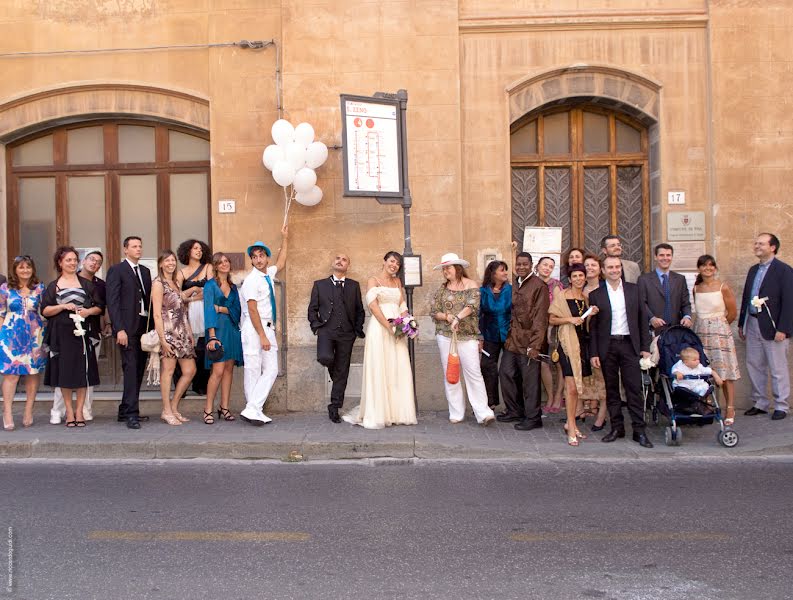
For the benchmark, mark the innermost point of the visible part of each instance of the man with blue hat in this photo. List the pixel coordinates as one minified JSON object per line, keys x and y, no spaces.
{"x":259,"y":345}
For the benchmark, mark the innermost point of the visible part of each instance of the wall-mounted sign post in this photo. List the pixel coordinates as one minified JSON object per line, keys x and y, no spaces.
{"x":374,"y":139}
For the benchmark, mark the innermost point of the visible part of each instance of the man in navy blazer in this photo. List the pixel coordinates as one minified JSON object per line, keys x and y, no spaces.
{"x":766,"y":323}
{"x":619,"y":336}
{"x":664,"y":293}
{"x":128,"y":293}
{"x":336,"y":316}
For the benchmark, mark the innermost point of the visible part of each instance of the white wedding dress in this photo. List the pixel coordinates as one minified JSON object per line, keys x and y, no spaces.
{"x":387,"y":386}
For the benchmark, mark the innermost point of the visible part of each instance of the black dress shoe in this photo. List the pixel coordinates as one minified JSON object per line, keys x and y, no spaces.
{"x":526,"y":425}
{"x":508,"y":418}
{"x":755,"y":411}
{"x":642,"y":440}
{"x":778,"y":415}
{"x":333,"y":414}
{"x":139,"y":418}
{"x":133,"y":423}
{"x":613,"y":435}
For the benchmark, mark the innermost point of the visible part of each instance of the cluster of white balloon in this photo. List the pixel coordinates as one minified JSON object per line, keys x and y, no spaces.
{"x":292,"y":160}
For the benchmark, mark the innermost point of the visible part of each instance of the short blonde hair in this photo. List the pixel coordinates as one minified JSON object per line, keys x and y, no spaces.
{"x":689,"y":353}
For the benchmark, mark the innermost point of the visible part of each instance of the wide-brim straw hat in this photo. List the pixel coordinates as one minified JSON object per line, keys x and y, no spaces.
{"x":451,"y":259}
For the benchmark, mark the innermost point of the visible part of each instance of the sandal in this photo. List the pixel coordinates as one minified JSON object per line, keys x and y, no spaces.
{"x":180,"y":417}
{"x":572,"y":441}
{"x":170,"y":419}
{"x":8,"y":426}
{"x":71,"y":424}
{"x":225,"y":414}
{"x":208,"y":418}
{"x":79,"y":423}
{"x":578,"y":433}
{"x":730,"y":420}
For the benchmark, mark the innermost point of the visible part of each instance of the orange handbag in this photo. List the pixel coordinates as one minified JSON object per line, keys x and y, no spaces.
{"x":453,"y":364}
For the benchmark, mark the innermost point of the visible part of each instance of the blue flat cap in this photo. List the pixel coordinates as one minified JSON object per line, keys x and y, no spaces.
{"x":261,"y":245}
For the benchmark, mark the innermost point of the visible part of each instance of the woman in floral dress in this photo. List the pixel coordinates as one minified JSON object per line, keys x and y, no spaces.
{"x":21,"y":337}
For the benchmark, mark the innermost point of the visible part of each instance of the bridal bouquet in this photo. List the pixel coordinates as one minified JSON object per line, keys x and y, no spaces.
{"x":405,"y":325}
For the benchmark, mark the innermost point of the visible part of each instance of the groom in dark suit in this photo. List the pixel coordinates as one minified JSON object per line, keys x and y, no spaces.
{"x":664,"y":293}
{"x":618,"y":337}
{"x":128,"y":293}
{"x":336,"y":315}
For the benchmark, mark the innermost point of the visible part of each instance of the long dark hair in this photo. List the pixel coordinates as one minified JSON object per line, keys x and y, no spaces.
{"x":216,"y":258}
{"x":701,"y":262}
{"x":13,"y":278}
{"x":183,"y":252}
{"x":490,"y":270}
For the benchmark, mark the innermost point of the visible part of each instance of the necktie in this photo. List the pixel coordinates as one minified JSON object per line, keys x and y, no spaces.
{"x":338,"y":283}
{"x":141,"y":288}
{"x":272,"y":296}
{"x":758,"y":279}
{"x":667,"y":299}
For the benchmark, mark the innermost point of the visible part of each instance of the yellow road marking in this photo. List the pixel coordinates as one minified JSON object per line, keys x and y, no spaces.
{"x":199,"y":536}
{"x":659,"y":536}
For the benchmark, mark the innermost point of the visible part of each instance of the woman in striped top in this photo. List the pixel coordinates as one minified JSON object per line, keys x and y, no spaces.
{"x":72,"y":365}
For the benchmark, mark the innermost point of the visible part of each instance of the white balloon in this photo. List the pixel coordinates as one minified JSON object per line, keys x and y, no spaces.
{"x":316,"y":155}
{"x":283,"y":133}
{"x":271,"y":155}
{"x":311,"y":198}
{"x":296,"y":155}
{"x":283,"y":173}
{"x":305,"y":180}
{"x":304,"y":134}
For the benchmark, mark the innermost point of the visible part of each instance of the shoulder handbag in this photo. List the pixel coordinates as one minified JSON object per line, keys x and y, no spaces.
{"x":453,"y":363}
{"x":150,"y":341}
{"x":554,"y":343}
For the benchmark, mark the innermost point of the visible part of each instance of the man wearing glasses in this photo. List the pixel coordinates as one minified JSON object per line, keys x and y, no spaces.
{"x":611,"y":245}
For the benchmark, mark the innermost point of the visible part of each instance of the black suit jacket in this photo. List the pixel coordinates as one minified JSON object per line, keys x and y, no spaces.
{"x":123,"y":297}
{"x":320,"y":307}
{"x":600,"y":324}
{"x":777,"y":286}
{"x":651,"y":295}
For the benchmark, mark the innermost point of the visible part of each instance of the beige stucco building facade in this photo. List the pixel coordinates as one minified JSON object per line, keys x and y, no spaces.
{"x":706,"y":81}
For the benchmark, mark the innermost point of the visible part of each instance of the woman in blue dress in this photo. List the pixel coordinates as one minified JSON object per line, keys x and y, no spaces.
{"x":21,"y":337}
{"x":222,"y":321}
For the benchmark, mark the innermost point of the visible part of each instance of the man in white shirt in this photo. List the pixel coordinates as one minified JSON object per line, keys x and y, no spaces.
{"x":618,"y":337}
{"x":259,"y":344}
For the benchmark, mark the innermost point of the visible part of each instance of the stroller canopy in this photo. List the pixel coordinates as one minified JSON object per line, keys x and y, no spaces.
{"x":672,"y":341}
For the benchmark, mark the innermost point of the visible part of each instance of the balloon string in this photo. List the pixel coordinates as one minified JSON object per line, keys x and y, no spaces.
{"x":288,"y":197}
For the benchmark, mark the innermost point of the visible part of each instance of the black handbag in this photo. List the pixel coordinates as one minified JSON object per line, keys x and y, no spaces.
{"x":216,"y":354}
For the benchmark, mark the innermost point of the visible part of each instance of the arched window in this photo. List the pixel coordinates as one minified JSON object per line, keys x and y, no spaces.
{"x":92,"y":184}
{"x":583,"y":169}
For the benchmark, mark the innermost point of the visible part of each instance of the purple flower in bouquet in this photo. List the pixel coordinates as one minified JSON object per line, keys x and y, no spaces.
{"x":405,"y":325}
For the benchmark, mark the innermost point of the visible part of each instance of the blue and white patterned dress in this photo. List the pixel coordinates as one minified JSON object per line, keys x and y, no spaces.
{"x":22,"y":332}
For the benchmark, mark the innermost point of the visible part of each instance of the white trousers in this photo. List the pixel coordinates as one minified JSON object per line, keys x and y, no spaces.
{"x":261,"y":367}
{"x":474,"y":384}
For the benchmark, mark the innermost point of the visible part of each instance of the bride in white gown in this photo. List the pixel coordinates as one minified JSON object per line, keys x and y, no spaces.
{"x":387,"y":387}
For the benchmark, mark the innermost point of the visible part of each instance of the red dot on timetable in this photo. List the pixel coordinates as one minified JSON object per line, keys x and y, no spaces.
{"x":369,"y":123}
{"x":357,"y":122}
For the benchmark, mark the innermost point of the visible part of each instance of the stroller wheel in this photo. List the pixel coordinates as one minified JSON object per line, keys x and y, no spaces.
{"x":728,"y":438}
{"x":673,"y":438}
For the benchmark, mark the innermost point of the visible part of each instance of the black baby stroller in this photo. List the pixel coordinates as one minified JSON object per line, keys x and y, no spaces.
{"x":683,"y":406}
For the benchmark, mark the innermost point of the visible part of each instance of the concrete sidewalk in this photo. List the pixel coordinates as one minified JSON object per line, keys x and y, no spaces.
{"x":311,"y":436}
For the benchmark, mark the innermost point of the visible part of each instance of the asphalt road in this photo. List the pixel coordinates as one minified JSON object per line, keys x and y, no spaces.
{"x":650,"y":529}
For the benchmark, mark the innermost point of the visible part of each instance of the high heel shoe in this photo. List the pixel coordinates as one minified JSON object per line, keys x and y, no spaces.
{"x":8,"y":426}
{"x":170,"y":419}
{"x":208,"y":418}
{"x":180,"y":417}
{"x":578,"y":433}
{"x":572,"y":441}
{"x":225,"y":414}
{"x":598,"y":427}
{"x":730,"y":420}
{"x":27,"y":422}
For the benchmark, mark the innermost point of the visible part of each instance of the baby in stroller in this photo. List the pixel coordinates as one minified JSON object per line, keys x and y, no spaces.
{"x":689,"y":374}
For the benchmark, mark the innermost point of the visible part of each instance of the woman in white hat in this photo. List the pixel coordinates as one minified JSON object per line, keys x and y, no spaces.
{"x":455,"y":309}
